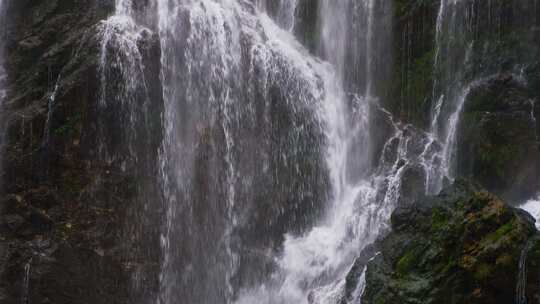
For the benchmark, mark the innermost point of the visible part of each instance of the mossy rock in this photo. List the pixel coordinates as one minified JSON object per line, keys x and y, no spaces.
{"x":497,"y":142}
{"x":462,"y":246}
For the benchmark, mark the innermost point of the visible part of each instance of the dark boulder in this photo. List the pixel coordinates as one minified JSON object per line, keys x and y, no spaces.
{"x":462,"y":246}
{"x":498,"y":141}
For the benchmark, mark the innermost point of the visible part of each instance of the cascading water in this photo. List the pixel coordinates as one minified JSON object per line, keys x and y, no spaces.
{"x":521,"y":288}
{"x":450,"y":89}
{"x":250,"y":116}
{"x":467,"y":32}
{"x":128,"y":137}
{"x":533,"y":207}
{"x":226,"y":70}
{"x":204,"y":46}
{"x":284,"y":12}
{"x":51,"y":105}
{"x":312,"y":266}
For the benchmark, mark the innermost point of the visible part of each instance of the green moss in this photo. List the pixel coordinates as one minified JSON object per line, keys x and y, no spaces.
{"x":413,"y":84}
{"x":483,"y":272}
{"x":439,"y":219}
{"x":380,"y":300}
{"x":504,"y":229}
{"x":534,"y":254}
{"x":461,"y":205}
{"x":407,"y":261}
{"x":463,"y":248}
{"x":499,"y":233}
{"x":449,"y":266}
{"x":505,"y":260}
{"x":497,"y":157}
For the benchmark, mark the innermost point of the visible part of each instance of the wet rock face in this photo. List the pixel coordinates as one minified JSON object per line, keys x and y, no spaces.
{"x":63,"y":274}
{"x":413,"y":185}
{"x":505,"y":36}
{"x":62,"y":208}
{"x":42,"y":40}
{"x":414,"y":52}
{"x":532,"y":276}
{"x":462,"y":246}
{"x":498,"y":142}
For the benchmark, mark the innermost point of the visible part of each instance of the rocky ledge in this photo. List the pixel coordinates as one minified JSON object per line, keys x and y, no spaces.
{"x":462,"y":246}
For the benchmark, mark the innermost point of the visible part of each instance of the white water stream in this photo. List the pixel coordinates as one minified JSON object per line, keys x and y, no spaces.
{"x":533,"y":207}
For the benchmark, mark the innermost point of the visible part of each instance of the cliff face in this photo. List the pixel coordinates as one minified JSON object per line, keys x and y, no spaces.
{"x":63,"y":205}
{"x":489,"y":51}
{"x":498,"y":144}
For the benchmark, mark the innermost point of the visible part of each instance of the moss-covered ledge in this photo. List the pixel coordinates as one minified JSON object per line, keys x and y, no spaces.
{"x":463,"y":246}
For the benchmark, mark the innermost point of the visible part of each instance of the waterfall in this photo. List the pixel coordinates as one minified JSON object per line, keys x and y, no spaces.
{"x":25,"y":298}
{"x":467,"y":31}
{"x":51,"y":103}
{"x":533,"y":207}
{"x":240,"y":151}
{"x":283,"y":11}
{"x":226,"y":69}
{"x":453,"y":47}
{"x":360,"y":288}
{"x":267,"y":178}
{"x":521,"y":288}
{"x":313,"y":266}
{"x":122,"y":75}
{"x":217,"y":57}
{"x":126,"y":136}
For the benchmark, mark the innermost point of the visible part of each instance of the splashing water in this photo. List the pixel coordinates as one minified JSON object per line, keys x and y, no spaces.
{"x":312,"y":267}
{"x":533,"y":207}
